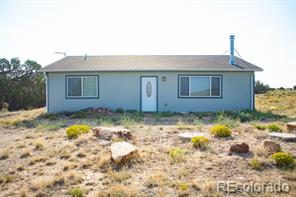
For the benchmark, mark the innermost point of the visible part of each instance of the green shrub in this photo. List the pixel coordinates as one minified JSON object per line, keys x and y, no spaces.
{"x":76,"y":192}
{"x":106,"y":121}
{"x":283,"y":160}
{"x":260,"y":127}
{"x":75,"y":130}
{"x":198,"y":122}
{"x":80,"y":114}
{"x":49,"y":116}
{"x":200,"y":142}
{"x":130,"y":120}
{"x":126,"y":121}
{"x":225,"y":119}
{"x":119,"y":110}
{"x":138,"y":117}
{"x":221,"y":131}
{"x":255,"y":164}
{"x":51,"y":125}
{"x":275,"y":127}
{"x":176,"y":155}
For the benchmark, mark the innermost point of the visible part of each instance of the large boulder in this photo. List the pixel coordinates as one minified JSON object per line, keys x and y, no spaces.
{"x":288,"y":137}
{"x":108,"y":132}
{"x":271,"y":146}
{"x":123,"y":152}
{"x":291,"y":126}
{"x":240,"y":148}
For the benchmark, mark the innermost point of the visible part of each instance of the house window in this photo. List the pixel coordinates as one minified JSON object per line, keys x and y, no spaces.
{"x":199,"y":86}
{"x":82,"y":86}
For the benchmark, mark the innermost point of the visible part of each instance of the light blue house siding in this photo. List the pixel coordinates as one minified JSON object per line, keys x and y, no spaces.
{"x":122,"y":89}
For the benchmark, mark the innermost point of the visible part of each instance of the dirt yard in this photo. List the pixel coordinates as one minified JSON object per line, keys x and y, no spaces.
{"x":37,"y":158}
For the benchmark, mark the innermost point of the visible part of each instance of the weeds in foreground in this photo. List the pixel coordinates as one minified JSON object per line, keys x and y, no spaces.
{"x":222,"y":118}
{"x":130,"y":120}
{"x":106,"y":121}
{"x":283,"y":160}
{"x":75,"y":130}
{"x":198,"y":122}
{"x":181,"y":125}
{"x":200,"y":142}
{"x":221,"y":131}
{"x":76,"y":192}
{"x":120,"y":190}
{"x":120,"y":175}
{"x":51,"y":125}
{"x":176,"y":155}
{"x":39,"y":145}
{"x":156,"y":179}
{"x":126,"y":121}
{"x":274,"y":127}
{"x":255,"y":164}
{"x":260,"y":127}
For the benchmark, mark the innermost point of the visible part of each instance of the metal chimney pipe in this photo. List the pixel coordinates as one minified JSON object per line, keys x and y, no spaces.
{"x":231,"y":60}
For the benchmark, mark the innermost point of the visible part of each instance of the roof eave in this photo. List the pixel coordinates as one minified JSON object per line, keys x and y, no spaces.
{"x":165,"y":70}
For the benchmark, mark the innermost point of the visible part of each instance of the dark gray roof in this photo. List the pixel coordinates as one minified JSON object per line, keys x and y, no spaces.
{"x":150,"y":63}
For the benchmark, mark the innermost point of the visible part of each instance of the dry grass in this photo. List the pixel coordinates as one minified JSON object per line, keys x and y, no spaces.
{"x":280,"y":102}
{"x":156,"y":179}
{"x":36,"y":163}
{"x":119,"y":176}
{"x":39,"y":144}
{"x":120,"y":190}
{"x":25,"y":154}
{"x":4,"y":154}
{"x":74,"y":177}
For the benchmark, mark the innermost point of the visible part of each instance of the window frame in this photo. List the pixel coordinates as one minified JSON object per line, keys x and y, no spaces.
{"x":190,"y":76}
{"x":81,"y":77}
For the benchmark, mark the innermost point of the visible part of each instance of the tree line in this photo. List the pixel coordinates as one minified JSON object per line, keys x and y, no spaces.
{"x":21,"y":86}
{"x":261,"y":88}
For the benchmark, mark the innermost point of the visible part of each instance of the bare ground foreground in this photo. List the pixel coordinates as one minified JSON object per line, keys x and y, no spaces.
{"x":37,"y":158}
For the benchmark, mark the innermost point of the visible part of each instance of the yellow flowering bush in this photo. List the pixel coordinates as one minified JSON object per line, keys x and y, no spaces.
{"x":200,"y":142}
{"x":74,"y":131}
{"x":221,"y":131}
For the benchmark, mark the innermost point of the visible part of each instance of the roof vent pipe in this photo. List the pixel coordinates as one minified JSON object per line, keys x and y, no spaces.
{"x":231,"y":60}
{"x":85,"y":57}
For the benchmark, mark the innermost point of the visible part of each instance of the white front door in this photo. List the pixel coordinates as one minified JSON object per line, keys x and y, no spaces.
{"x":149,"y":94}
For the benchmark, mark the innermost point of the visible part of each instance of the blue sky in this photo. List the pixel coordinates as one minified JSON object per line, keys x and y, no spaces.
{"x":265,"y":30}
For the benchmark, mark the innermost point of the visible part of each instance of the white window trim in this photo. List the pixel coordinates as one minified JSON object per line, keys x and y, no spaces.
{"x":81,"y":78}
{"x":200,"y":76}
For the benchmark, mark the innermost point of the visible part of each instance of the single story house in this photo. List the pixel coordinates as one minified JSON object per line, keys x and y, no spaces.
{"x":176,"y":83}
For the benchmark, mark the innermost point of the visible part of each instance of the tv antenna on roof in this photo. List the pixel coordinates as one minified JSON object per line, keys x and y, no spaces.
{"x":63,"y":53}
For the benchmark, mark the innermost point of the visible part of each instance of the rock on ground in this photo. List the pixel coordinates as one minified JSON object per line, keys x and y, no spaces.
{"x":240,"y":148}
{"x":291,"y":126}
{"x":123,"y":151}
{"x":190,"y":135}
{"x":289,"y":137}
{"x":108,"y":132}
{"x":271,"y":146}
